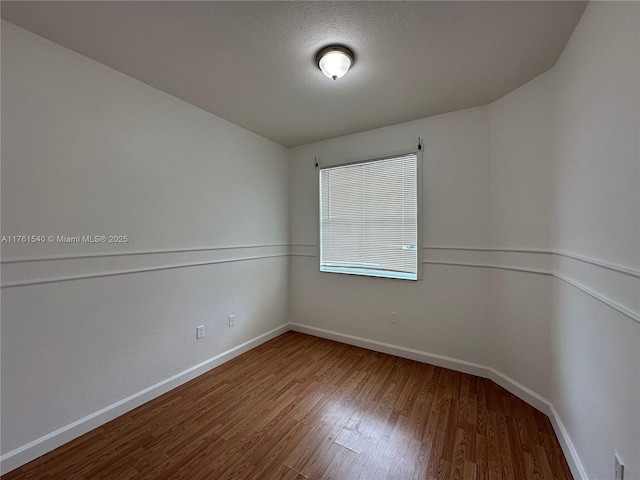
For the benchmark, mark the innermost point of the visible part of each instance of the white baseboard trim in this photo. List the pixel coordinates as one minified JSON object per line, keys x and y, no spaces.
{"x":575,"y":465}
{"x":520,"y":391}
{"x":53,"y":440}
{"x":411,"y":354}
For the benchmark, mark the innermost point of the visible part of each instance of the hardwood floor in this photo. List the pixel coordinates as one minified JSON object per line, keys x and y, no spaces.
{"x":302,"y":407}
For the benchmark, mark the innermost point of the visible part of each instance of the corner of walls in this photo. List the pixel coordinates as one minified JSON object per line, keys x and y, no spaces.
{"x":290,"y":159}
{"x":521,"y":191}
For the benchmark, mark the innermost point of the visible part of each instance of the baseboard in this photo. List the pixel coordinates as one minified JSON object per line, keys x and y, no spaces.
{"x":520,"y":391}
{"x":570,"y":453}
{"x":53,"y":440}
{"x":411,"y":354}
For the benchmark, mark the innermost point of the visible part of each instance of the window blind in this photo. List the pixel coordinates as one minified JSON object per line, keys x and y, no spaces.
{"x":368,"y":218}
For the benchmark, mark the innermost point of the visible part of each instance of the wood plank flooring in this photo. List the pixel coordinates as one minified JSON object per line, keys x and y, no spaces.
{"x":301,"y":407}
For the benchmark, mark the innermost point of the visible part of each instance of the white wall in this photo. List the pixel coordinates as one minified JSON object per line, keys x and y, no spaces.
{"x":596,"y":213}
{"x":542,"y":186}
{"x":445,"y":312}
{"x":596,"y":136}
{"x":87,"y":150}
{"x":521,"y":195}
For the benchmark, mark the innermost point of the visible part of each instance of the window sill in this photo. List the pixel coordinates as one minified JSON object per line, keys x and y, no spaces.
{"x":365,"y":272}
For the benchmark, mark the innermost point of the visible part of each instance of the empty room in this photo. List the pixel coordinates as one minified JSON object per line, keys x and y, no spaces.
{"x":269,"y":240}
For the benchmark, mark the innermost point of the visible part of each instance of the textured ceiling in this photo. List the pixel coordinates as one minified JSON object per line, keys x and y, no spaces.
{"x":252,"y":63}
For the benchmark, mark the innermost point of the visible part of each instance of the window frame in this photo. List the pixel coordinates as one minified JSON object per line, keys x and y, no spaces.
{"x":418,"y":152}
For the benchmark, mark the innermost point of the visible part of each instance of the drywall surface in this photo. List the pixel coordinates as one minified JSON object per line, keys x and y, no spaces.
{"x":444,"y":313}
{"x":597,"y":152}
{"x":596,"y":210}
{"x":89,"y":151}
{"x":519,"y":327}
{"x":596,"y":380}
{"x":521,"y":160}
{"x":521,"y":196}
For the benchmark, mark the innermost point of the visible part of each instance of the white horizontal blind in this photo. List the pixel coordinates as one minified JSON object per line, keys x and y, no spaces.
{"x":368,"y":218}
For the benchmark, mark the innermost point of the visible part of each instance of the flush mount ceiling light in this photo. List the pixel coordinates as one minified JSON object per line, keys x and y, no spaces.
{"x":334,"y":61}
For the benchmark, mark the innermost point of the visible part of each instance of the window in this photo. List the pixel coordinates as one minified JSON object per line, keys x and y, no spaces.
{"x":369,"y":218}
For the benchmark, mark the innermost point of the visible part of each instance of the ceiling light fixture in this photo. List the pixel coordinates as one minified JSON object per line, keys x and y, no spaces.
{"x":334,"y":61}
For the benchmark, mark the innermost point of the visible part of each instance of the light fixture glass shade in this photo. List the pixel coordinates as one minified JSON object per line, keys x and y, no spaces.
{"x":335,"y":61}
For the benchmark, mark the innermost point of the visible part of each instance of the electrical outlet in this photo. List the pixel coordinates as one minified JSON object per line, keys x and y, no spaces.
{"x":393,"y":317}
{"x":619,"y":468}
{"x":200,"y":331}
{"x":232,"y":320}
